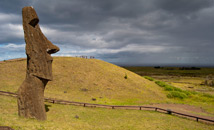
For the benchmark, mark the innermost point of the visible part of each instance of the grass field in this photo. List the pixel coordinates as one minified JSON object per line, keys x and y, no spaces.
{"x":187,"y":80}
{"x":78,"y":79}
{"x":187,"y":83}
{"x":64,"y":117}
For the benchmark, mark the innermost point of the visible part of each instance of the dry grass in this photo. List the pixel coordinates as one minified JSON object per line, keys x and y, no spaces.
{"x":80,"y":79}
{"x":62,"y":117}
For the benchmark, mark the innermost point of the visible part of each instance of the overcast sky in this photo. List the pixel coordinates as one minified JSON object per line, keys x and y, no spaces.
{"x":134,"y":32}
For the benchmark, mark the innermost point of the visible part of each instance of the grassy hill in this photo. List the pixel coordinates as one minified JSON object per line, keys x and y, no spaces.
{"x":79,"y":79}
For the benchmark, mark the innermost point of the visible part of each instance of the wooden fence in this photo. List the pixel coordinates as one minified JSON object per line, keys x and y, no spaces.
{"x":64,"y":102}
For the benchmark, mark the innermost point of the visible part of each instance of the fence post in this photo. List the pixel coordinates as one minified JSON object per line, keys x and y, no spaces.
{"x":140,"y":108}
{"x":84,"y":105}
{"x":169,"y":111}
{"x":197,"y":119}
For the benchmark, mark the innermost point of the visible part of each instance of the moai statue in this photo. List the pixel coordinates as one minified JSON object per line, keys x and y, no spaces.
{"x":39,"y":67}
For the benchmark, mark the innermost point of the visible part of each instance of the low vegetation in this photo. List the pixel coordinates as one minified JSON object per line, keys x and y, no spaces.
{"x":173,"y":91}
{"x":191,"y":97}
{"x":67,"y":117}
{"x":149,"y":78}
{"x":95,"y":81}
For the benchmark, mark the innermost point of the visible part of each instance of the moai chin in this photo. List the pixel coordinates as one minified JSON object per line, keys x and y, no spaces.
{"x":39,"y":67}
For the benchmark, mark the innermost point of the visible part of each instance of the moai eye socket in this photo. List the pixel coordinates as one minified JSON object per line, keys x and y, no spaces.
{"x":34,"y":22}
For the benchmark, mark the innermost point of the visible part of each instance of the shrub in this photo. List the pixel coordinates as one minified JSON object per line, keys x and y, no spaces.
{"x":126,"y":77}
{"x":193,"y":92}
{"x":177,"y":94}
{"x":160,"y":83}
{"x":149,"y":78}
{"x":177,"y":89}
{"x":168,"y":88}
{"x":188,"y":93}
{"x":208,"y":95}
{"x":174,"y":92}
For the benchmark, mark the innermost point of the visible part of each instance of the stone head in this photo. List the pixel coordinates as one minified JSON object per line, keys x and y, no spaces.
{"x":38,"y":47}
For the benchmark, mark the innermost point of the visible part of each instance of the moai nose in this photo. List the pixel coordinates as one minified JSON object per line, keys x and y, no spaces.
{"x":52,"y":48}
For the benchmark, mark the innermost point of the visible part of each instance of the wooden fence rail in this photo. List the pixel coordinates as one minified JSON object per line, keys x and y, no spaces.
{"x":64,"y":102}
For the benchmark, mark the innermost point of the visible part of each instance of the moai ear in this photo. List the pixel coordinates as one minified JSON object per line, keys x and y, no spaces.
{"x":34,"y":22}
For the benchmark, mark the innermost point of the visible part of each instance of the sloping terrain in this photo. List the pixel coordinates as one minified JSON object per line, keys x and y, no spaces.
{"x":79,"y":79}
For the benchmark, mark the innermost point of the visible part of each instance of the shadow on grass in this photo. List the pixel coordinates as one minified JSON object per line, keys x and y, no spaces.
{"x":47,"y":107}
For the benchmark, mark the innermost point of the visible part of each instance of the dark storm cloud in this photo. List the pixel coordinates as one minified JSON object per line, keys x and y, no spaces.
{"x":13,"y":6}
{"x":183,"y":6}
{"x":86,"y":11}
{"x":119,"y":21}
{"x":148,"y":30}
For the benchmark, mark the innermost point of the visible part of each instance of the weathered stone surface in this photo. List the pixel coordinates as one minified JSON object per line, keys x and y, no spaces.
{"x":39,"y":67}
